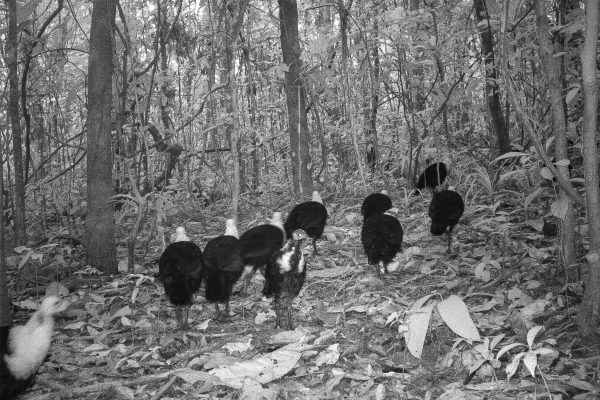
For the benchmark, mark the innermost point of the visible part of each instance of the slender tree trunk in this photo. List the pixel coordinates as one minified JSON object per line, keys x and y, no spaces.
{"x":165,"y":86}
{"x":499,"y":138}
{"x":15,"y":122}
{"x":237,"y":8}
{"x":371,"y":132}
{"x":295,"y":97}
{"x":5,"y":315}
{"x":351,"y":113}
{"x":551,"y":67}
{"x":441,"y":71}
{"x":588,"y":318}
{"x":100,"y":223}
{"x":251,"y":90}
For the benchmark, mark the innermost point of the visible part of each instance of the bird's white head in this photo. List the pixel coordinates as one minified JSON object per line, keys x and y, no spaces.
{"x":181,"y":235}
{"x":384,"y":192}
{"x":52,"y":305}
{"x":230,"y":228}
{"x":452,"y":188}
{"x":299,"y":234}
{"x":317,"y":197}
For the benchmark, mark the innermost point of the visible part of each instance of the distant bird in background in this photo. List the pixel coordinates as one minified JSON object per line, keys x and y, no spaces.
{"x":23,"y":348}
{"x":433,"y":176}
{"x":224,"y":266}
{"x":284,"y":276}
{"x":180,"y":268}
{"x":381,"y":237}
{"x":310,"y":216}
{"x":445,"y":210}
{"x":375,"y":203}
{"x":259,"y":244}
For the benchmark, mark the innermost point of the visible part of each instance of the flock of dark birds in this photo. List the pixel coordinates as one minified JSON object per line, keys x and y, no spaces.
{"x":183,"y":266}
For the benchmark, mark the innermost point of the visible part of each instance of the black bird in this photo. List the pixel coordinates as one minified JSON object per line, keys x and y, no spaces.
{"x":259,"y":244}
{"x":180,"y":268}
{"x":375,"y":203}
{"x":310,"y":216}
{"x":285,"y":274}
{"x":433,"y":176}
{"x":381,"y":237}
{"x":446,"y":208}
{"x":23,"y":348}
{"x":223,"y":266}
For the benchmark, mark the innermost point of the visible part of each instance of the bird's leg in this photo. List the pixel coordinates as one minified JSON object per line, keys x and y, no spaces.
{"x":277,"y":312}
{"x":186,"y":316}
{"x":377,"y":266}
{"x":178,"y":315}
{"x":385,"y":268}
{"x":248,"y":279}
{"x":218,"y":311}
{"x":449,"y":234}
{"x":315,"y":246}
{"x":227,"y":308}
{"x":182,"y":313}
{"x":288,"y":306}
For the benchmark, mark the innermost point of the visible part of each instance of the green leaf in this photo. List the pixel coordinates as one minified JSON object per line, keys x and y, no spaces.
{"x":455,"y":314}
{"x":418,"y":323}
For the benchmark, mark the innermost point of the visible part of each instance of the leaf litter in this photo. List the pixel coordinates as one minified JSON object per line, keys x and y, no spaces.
{"x":459,"y":326}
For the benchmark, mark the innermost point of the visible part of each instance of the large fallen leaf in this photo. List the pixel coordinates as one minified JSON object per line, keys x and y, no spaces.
{"x":263,"y":369}
{"x":252,"y":390}
{"x":192,"y":376}
{"x":417,"y":322}
{"x":455,"y":314}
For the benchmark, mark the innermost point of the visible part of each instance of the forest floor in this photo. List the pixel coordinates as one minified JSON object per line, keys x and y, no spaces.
{"x":118,"y":339}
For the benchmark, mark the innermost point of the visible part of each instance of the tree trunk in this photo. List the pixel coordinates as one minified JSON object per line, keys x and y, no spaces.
{"x":499,"y":138}
{"x":551,"y":67}
{"x":371,"y":120}
{"x":5,"y":315}
{"x":295,"y":97}
{"x":165,"y":85}
{"x":15,"y":122}
{"x":350,"y":114}
{"x":100,"y":223}
{"x":237,"y":8}
{"x":251,"y":91}
{"x":588,"y":318}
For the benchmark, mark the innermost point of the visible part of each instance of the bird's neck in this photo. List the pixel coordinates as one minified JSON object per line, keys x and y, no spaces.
{"x":28,"y":345}
{"x":316,"y":197}
{"x":182,"y":237}
{"x":231,"y":231}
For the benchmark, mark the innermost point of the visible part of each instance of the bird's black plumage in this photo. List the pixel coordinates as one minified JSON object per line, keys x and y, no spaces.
{"x":433,"y":176}
{"x":180,"y":268}
{"x":381,"y":237}
{"x":285,"y":274}
{"x":224,"y":266}
{"x":445,"y":210}
{"x":24,"y":347}
{"x":259,"y":243}
{"x":310,"y":216}
{"x":375,"y":203}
